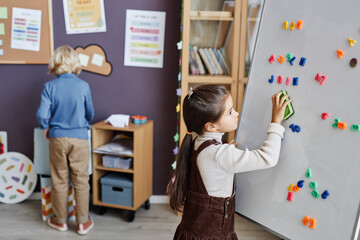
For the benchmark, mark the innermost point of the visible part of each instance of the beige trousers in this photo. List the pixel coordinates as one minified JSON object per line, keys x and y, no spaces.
{"x":69,"y":154}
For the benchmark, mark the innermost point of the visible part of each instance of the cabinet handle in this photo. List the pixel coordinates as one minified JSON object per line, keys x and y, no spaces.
{"x":118,"y":189}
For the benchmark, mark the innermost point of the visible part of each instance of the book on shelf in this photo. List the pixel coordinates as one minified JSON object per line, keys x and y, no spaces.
{"x":192,"y":62}
{"x":216,"y":72}
{"x":220,"y":61}
{"x":207,"y":63}
{"x":198,"y":60}
{"x":216,"y":62}
{"x":193,"y":69}
{"x":226,"y":64}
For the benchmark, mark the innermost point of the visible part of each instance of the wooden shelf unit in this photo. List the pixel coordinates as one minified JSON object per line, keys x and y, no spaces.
{"x":209,"y":11}
{"x":142,"y":169}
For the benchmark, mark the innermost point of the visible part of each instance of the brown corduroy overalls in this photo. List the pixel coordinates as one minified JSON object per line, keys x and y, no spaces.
{"x":204,"y":216}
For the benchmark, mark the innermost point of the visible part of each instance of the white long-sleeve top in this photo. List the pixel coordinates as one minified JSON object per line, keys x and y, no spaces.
{"x":218,"y":163}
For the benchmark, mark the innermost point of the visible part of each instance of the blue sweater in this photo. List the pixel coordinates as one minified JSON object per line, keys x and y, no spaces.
{"x":66,"y":107}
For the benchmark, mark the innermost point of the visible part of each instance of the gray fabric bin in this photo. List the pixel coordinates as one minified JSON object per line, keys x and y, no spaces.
{"x":117,"y":188}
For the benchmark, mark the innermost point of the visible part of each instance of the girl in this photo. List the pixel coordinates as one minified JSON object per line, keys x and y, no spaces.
{"x":65,"y":112}
{"x":203,"y":182}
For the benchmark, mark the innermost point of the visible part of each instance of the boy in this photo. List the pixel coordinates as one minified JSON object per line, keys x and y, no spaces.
{"x":65,"y":112}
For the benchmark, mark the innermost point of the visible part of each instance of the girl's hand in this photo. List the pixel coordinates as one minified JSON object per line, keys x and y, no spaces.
{"x":279,"y":105}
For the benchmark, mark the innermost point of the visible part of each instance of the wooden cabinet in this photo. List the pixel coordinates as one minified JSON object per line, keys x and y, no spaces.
{"x":141,"y":170}
{"x":215,"y":24}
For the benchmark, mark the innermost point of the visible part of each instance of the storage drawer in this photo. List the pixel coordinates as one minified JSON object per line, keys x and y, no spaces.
{"x":117,"y":188}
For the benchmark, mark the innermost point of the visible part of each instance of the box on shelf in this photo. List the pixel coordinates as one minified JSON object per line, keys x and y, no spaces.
{"x":116,"y":161}
{"x":117,"y":188}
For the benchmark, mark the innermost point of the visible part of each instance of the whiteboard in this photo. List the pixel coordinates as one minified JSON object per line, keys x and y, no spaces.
{"x":332,"y":154}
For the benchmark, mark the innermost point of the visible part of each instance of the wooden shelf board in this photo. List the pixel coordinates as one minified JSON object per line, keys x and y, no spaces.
{"x":211,"y":15}
{"x":108,"y":126}
{"x":130,"y":170}
{"x":99,"y":203}
{"x":244,"y":80}
{"x":210,"y":18}
{"x":114,"y":154}
{"x":194,"y":13}
{"x":209,"y":79}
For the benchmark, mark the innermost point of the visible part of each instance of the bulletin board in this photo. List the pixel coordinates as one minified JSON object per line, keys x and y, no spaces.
{"x":319,"y":142}
{"x":26,"y":34}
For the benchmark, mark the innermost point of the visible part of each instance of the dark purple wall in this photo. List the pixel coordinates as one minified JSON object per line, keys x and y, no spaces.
{"x":128,"y":90}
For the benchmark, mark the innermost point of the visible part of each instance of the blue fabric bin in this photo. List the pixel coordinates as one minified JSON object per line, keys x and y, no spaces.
{"x":117,"y":188}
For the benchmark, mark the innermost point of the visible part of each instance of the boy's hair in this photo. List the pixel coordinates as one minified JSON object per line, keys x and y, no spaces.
{"x":64,"y":60}
{"x":205,"y":104}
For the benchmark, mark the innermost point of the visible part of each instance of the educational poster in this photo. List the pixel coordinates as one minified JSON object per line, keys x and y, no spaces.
{"x":84,"y":16}
{"x":26,"y":28}
{"x":144,"y":38}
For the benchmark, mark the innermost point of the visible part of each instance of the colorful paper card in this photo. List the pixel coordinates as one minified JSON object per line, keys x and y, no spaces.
{"x":3,"y":13}
{"x":84,"y":59}
{"x":2,"y":29}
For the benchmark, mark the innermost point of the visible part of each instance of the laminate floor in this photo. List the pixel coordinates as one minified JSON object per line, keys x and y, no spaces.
{"x":22,"y":221}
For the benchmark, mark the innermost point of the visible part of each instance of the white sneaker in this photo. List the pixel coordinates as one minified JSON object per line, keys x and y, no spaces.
{"x":60,"y":227}
{"x":84,"y":228}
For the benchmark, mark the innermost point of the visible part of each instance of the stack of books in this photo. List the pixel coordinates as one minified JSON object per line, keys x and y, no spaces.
{"x":208,"y":61}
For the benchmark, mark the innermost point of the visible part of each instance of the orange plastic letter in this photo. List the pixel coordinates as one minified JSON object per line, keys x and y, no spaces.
{"x":342,"y":125}
{"x":281,"y":59}
{"x":299,"y":24}
{"x":340,"y":53}
{"x":295,"y":188}
{"x":312,"y":222}
{"x":306,"y":220}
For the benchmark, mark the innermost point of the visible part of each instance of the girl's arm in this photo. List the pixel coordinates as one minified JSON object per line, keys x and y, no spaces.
{"x":235,"y":160}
